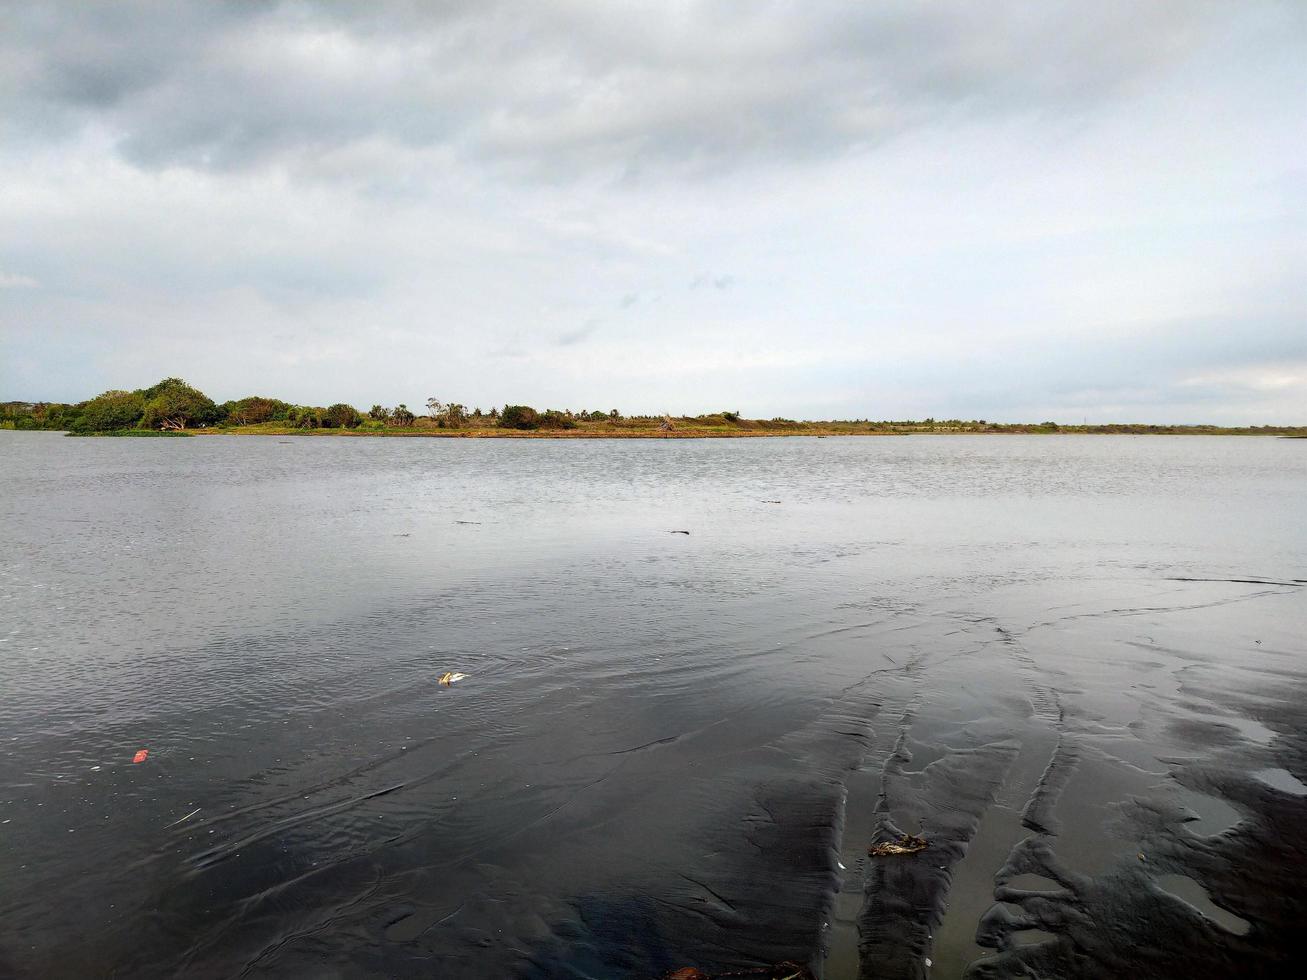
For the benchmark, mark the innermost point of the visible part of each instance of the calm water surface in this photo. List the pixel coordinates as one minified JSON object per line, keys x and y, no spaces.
{"x":1076,"y":665}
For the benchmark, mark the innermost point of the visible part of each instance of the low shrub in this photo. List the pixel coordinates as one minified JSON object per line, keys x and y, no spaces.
{"x":554,"y":419}
{"x":519,"y":417}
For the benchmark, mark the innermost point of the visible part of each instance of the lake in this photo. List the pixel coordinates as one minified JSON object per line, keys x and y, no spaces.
{"x":1074,"y":665}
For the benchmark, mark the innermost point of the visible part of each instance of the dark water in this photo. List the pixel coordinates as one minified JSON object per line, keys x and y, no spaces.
{"x":1075,"y":664}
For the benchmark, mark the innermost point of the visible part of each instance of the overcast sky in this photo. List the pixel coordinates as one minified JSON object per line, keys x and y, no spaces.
{"x":1011,"y":211}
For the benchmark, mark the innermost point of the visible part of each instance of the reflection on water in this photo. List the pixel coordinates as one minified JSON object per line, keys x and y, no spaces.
{"x":1283,"y":780}
{"x":1189,"y":891}
{"x":1044,"y":653}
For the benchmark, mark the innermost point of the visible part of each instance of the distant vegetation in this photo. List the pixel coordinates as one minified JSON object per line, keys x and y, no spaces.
{"x":173,"y":406}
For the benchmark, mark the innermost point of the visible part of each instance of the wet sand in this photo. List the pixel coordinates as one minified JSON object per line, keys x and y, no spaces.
{"x":1079,"y":676}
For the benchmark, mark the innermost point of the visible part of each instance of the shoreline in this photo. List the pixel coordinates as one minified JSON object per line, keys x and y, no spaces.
{"x":427,"y":428}
{"x":704,"y":433}
{"x":173,"y":407}
{"x":688,"y":433}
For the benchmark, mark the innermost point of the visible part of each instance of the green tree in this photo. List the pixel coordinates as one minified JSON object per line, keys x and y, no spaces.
{"x":341,"y":416}
{"x":112,"y":410}
{"x":173,"y":404}
{"x":40,"y":415}
{"x":402,"y":416}
{"x":254,"y":409}
{"x":378,"y":413}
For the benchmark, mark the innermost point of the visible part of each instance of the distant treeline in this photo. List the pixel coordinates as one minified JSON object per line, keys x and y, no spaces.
{"x":174,"y":405}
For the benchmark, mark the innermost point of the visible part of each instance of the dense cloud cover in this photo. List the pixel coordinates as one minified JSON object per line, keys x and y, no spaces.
{"x":1001,"y":210}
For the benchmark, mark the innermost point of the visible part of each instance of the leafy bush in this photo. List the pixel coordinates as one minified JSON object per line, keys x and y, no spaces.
{"x":341,"y":416}
{"x":254,"y":409}
{"x":112,"y":410}
{"x":304,"y":417}
{"x":554,"y":419}
{"x":402,"y":416}
{"x":519,"y":417}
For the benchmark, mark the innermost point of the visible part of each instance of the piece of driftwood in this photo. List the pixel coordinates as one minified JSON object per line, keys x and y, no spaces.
{"x":906,"y":844}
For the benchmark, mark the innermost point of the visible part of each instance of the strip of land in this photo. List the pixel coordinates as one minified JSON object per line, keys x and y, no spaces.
{"x":710,"y":427}
{"x":173,"y":407}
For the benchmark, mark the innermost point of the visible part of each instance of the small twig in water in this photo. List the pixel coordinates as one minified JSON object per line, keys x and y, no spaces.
{"x":185,"y":818}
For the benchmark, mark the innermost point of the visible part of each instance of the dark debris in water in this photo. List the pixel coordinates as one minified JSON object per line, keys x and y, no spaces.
{"x":906,"y":844}
{"x":785,"y":970}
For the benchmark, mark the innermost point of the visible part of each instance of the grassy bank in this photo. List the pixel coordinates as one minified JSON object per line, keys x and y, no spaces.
{"x":131,"y":434}
{"x":712,"y":428}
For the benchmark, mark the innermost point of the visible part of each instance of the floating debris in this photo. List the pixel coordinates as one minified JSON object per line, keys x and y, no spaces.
{"x":141,"y":756}
{"x":906,"y":844}
{"x":781,"y":971}
{"x":679,"y":532}
{"x":467,"y":522}
{"x":450,"y":677}
{"x":185,"y":818}
{"x":769,"y":501}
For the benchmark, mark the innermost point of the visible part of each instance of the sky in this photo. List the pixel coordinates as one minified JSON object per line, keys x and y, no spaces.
{"x":1005,"y":210}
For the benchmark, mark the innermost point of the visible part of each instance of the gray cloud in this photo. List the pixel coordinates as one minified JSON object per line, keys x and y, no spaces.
{"x":564,"y":88}
{"x":576,"y":336}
